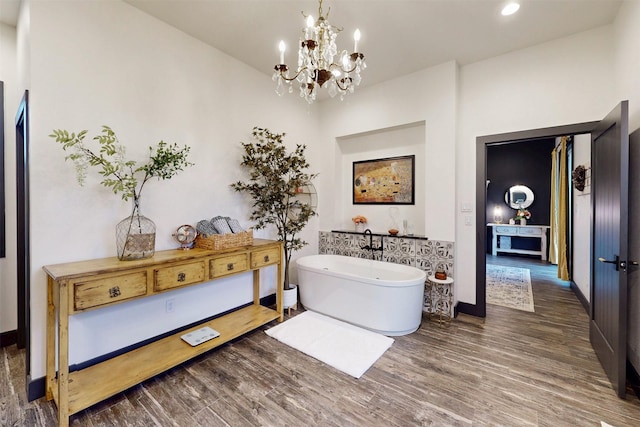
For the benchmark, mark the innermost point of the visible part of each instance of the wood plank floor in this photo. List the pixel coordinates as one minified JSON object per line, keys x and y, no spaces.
{"x":513,"y":368}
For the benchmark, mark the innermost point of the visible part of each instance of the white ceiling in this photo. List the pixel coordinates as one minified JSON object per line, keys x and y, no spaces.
{"x":398,"y":36}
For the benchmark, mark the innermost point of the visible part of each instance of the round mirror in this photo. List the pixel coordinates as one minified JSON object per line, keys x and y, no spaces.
{"x":519,"y":196}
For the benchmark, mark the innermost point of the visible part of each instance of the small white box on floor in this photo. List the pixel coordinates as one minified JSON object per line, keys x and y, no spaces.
{"x":200,"y":335}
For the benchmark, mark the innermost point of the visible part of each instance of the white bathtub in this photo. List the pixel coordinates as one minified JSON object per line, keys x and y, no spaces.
{"x":379,"y":296}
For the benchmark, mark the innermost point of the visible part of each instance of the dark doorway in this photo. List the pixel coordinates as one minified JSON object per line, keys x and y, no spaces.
{"x":22,"y":229}
{"x":480,"y":308}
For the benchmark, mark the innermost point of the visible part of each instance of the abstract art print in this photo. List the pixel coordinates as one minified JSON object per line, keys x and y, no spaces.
{"x":388,"y":181}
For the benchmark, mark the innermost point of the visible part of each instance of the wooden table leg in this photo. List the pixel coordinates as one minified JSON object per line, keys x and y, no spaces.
{"x":63,"y":355}
{"x":280,"y":290}
{"x":51,"y":338}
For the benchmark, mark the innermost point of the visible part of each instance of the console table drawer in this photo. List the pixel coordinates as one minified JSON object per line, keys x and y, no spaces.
{"x":265,"y":257}
{"x":107,"y":290}
{"x":506,"y":230}
{"x":228,"y":265}
{"x":178,"y":275}
{"x":530,"y":231}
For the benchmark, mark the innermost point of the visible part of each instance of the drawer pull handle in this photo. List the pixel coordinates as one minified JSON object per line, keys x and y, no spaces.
{"x":230,"y":266}
{"x":181,"y":277}
{"x":114,"y":292}
{"x":266,"y":258}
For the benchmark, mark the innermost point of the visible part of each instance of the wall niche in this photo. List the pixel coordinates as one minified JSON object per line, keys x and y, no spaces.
{"x":404,"y":140}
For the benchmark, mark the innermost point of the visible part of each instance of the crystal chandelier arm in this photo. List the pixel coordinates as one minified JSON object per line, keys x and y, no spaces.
{"x":282,"y":69}
{"x":354,"y":58}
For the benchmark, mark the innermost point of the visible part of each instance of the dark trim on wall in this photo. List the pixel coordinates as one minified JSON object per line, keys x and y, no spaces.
{"x":8,"y":338}
{"x":3,"y":239}
{"x":466,"y":308}
{"x":36,"y":388}
{"x":581,"y":297}
{"x":633,"y":378}
{"x":480,"y":307}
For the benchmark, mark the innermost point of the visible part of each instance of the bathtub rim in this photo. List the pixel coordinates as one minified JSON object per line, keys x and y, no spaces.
{"x":420,"y":278}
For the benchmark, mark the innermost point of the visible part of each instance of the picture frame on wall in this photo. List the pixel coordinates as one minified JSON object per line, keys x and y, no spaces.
{"x":386,"y":181}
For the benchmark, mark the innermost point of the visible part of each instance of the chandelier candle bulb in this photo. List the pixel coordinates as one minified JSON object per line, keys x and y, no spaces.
{"x":282,"y":47}
{"x":310,"y":23}
{"x":356,"y":39}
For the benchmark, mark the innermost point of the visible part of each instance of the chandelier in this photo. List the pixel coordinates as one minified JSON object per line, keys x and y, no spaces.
{"x":316,"y":66}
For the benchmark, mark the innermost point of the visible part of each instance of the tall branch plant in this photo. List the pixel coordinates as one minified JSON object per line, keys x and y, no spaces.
{"x":124,"y":177}
{"x":275,"y":180}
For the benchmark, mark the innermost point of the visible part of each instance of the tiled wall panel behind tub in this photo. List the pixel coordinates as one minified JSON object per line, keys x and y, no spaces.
{"x":419,"y":252}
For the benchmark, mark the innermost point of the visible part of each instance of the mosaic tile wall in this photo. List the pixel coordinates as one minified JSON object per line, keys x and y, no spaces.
{"x":418,"y":252}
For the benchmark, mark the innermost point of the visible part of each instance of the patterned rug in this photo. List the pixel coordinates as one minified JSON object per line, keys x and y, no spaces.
{"x":509,"y":287}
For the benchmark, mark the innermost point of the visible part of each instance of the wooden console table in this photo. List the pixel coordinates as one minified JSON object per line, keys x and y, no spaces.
{"x":87,"y":285}
{"x":531,"y":231}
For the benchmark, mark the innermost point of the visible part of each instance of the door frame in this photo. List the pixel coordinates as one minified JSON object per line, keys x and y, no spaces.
{"x":3,"y":240}
{"x":23,"y":259}
{"x":480,"y":307}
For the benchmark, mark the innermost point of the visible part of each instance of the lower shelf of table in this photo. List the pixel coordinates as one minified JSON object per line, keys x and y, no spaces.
{"x":94,"y":384}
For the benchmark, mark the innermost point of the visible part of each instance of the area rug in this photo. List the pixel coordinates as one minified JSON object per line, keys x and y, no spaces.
{"x":509,"y":287}
{"x":348,"y":348}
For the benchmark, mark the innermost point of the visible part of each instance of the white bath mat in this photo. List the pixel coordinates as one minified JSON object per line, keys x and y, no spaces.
{"x":347,"y":348}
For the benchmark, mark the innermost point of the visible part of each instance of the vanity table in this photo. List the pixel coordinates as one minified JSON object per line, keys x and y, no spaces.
{"x":77,"y":287}
{"x":508,"y":230}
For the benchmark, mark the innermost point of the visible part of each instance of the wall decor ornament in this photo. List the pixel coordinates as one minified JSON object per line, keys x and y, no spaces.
{"x":579,"y":177}
{"x":387,"y":181}
{"x":135,"y":235}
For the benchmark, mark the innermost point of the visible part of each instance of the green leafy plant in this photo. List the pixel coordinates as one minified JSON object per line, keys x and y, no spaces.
{"x":122,"y":176}
{"x":275,"y":177}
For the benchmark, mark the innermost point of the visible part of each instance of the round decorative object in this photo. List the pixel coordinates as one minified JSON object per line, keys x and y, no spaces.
{"x":519,"y":197}
{"x":185,"y":235}
{"x":304,"y":202}
{"x":393,"y":231}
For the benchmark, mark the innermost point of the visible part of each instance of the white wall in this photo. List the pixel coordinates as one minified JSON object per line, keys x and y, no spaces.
{"x":95,"y":63}
{"x":582,"y":219}
{"x":562,"y":82}
{"x":627,"y":58}
{"x":8,"y":74}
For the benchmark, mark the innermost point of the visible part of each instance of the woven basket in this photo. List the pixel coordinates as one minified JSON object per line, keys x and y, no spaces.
{"x":224,"y":241}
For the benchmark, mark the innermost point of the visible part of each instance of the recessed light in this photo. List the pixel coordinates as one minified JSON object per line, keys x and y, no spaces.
{"x":510,"y":8}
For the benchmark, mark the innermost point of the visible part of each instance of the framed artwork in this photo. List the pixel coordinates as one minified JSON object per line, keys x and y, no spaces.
{"x":389,"y":181}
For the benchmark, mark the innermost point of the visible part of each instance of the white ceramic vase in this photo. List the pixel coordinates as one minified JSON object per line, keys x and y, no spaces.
{"x":290,"y":297}
{"x":523,"y":221}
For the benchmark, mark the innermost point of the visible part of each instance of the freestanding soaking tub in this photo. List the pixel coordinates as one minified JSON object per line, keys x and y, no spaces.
{"x":379,"y":296}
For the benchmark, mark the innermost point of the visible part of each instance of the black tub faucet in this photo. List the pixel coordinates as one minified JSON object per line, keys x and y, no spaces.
{"x":369,"y":247}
